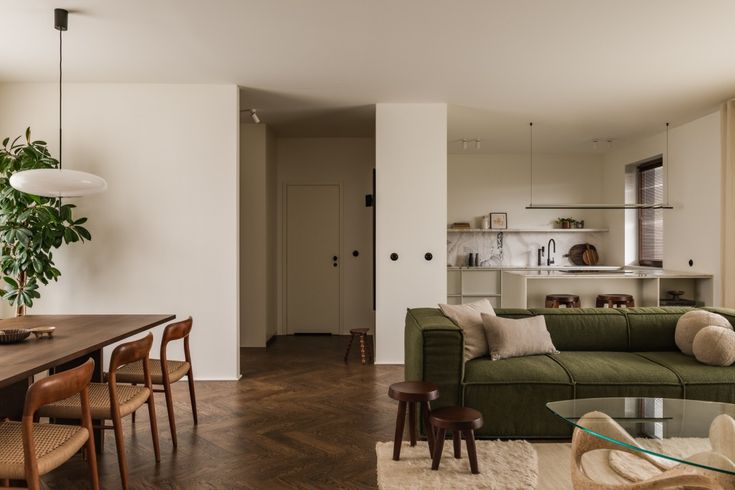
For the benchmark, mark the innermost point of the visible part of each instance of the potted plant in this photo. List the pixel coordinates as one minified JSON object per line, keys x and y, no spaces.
{"x":565,"y":222}
{"x":31,"y":227}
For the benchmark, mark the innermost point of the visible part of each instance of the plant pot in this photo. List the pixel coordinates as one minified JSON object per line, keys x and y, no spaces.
{"x":566,"y":225}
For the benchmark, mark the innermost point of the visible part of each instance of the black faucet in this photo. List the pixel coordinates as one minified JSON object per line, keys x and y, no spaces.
{"x":549,"y":257}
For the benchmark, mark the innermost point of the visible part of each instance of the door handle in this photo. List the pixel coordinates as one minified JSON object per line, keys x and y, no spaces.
{"x":335,"y":258}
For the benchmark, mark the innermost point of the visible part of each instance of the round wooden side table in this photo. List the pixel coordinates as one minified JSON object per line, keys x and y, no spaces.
{"x":459,"y":421}
{"x":412,"y":393}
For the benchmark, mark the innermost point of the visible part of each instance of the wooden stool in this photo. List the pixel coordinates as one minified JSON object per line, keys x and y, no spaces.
{"x":613,"y":300}
{"x":458,"y":420}
{"x":558,"y":300}
{"x":412,"y":392}
{"x":365,"y":350}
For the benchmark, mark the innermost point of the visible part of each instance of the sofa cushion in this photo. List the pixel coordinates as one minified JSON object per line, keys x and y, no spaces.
{"x":539,"y":369}
{"x":603,"y":374}
{"x":580,"y":329}
{"x":652,"y":328}
{"x":701,"y":382}
{"x":512,"y":396}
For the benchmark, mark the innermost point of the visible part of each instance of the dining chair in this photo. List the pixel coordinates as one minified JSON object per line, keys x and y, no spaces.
{"x":111,"y":401}
{"x":175,"y":370}
{"x":29,"y":449}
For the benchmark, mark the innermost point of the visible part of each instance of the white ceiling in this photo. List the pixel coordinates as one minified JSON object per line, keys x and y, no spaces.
{"x":579,"y":69}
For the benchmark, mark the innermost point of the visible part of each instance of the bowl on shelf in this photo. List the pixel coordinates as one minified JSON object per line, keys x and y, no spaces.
{"x":12,"y":336}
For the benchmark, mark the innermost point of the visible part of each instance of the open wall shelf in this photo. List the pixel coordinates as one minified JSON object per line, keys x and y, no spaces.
{"x":530,"y":230}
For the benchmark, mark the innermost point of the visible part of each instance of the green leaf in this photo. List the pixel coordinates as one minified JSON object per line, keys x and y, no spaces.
{"x":28,"y":134}
{"x":11,"y":281}
{"x":83,"y":232}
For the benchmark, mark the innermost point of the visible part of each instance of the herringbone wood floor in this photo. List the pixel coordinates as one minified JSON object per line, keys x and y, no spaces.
{"x":299,"y":418}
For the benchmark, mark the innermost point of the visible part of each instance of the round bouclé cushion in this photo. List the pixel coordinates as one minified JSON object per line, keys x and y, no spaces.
{"x":691,"y":322}
{"x":715,"y":346}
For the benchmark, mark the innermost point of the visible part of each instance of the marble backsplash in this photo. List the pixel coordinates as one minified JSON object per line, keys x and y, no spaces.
{"x":516,"y":249}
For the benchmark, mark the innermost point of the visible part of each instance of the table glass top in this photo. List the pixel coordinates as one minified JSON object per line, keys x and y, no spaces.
{"x":656,"y":426}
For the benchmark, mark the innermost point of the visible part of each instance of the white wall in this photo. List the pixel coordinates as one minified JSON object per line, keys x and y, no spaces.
{"x":348,"y":162}
{"x":257,"y":235}
{"x":692,"y":228}
{"x":411,"y":213}
{"x":165,"y":234}
{"x":479,"y":184}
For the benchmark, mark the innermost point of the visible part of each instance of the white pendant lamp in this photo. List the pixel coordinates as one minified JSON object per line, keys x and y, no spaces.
{"x":58,"y":182}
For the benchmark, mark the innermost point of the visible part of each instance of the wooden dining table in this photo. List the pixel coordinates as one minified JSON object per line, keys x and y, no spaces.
{"x":76,"y":339}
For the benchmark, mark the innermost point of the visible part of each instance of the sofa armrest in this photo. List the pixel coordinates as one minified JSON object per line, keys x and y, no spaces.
{"x":434,"y":351}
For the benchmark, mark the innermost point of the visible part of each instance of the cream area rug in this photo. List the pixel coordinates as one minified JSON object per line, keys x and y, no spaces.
{"x":504,"y":465}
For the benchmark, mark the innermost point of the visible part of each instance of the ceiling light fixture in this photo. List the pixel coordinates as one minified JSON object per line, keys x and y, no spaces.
{"x":253,"y":115}
{"x":477,"y":143}
{"x":465,"y":143}
{"x":58,"y":182}
{"x":609,"y":141}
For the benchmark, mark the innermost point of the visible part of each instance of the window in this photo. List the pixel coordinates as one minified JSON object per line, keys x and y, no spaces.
{"x":651,"y":221}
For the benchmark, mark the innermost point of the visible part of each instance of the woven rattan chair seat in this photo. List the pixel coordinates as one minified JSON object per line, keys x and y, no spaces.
{"x":133,"y":372}
{"x":130,"y":398}
{"x":55,"y":444}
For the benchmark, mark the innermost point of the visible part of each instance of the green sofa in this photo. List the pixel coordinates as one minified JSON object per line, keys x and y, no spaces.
{"x":604,"y":352}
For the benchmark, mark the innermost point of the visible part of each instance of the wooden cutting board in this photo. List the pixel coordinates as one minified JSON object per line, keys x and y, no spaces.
{"x":576,"y":253}
{"x":589,"y":256}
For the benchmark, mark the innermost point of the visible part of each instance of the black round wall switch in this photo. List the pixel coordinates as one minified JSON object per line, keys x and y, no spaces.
{"x":691,"y":263}
{"x":394,"y":256}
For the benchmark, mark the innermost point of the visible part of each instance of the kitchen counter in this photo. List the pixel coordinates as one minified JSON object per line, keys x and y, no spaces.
{"x":605,"y":273}
{"x":528,"y":288}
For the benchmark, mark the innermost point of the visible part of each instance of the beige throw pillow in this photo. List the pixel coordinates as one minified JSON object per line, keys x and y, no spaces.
{"x":714,"y":346}
{"x":467,"y":317}
{"x":517,"y":338}
{"x":691,"y":322}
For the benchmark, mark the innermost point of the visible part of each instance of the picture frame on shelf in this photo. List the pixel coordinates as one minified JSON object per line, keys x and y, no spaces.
{"x":498,"y":221}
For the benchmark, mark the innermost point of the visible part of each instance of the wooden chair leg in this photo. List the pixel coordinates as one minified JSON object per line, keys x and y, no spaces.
{"x":427,"y":427}
{"x":154,"y":427}
{"x":469,"y":437}
{"x":349,"y":346}
{"x":438,"y":448}
{"x":120,"y":444}
{"x":457,"y":444}
{"x":170,"y":410}
{"x":132,"y":416}
{"x":91,"y":454}
{"x":412,"y":422}
{"x":363,"y":352}
{"x":192,"y":395}
{"x":400,"y":420}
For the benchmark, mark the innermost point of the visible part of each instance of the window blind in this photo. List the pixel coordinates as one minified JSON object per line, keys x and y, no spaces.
{"x":651,"y":221}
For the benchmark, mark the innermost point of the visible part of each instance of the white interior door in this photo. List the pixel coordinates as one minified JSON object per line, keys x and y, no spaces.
{"x":312,"y":258}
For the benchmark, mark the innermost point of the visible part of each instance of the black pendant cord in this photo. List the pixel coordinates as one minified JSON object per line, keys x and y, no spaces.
{"x":60,"y":78}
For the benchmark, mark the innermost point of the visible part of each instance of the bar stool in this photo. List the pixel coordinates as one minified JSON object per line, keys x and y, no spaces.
{"x":458,"y":420}
{"x":366,"y":350}
{"x":614,"y":300}
{"x":412,"y":392}
{"x":559,"y":300}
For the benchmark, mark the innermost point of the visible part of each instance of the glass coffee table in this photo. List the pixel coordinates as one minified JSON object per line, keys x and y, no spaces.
{"x":680,"y":438}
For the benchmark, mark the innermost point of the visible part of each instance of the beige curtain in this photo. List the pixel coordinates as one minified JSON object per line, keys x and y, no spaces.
{"x":728,"y":204}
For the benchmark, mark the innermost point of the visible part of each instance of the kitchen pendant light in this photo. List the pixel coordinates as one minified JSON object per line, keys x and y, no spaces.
{"x":58,"y":182}
{"x":662,"y":205}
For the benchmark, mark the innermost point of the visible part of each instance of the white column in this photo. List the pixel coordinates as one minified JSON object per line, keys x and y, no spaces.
{"x":411,"y":217}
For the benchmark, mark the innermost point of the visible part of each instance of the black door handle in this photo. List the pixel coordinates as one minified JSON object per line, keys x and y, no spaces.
{"x":334,"y":258}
